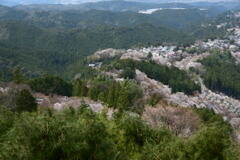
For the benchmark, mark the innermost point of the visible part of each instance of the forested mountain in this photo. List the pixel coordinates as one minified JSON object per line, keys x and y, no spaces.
{"x":116,"y":6}
{"x":121,"y":5}
{"x":222,"y":73}
{"x":222,"y":5}
{"x":119,"y":80}
{"x":176,"y":19}
{"x":8,"y":3}
{"x":53,"y":51}
{"x":231,"y":18}
{"x":55,"y":38}
{"x":10,"y":13}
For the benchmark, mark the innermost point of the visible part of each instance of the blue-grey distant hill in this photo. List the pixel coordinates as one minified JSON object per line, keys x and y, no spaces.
{"x":117,"y":5}
{"x":52,"y":37}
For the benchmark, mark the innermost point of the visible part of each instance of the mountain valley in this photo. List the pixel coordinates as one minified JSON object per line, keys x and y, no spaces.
{"x":120,"y":80}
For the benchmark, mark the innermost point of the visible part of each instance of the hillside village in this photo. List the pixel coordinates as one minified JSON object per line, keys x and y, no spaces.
{"x":120,"y":80}
{"x":184,"y":59}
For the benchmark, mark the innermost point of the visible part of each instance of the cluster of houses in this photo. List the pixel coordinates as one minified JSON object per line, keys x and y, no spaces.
{"x":3,"y":90}
{"x":169,"y":55}
{"x":235,"y":37}
{"x":228,"y":107}
{"x":212,"y":44}
{"x":163,"y":55}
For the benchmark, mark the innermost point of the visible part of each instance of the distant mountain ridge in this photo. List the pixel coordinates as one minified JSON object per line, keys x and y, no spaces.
{"x":24,"y":2}
{"x":44,"y":51}
{"x":67,"y":19}
{"x":53,"y":37}
{"x":117,"y":6}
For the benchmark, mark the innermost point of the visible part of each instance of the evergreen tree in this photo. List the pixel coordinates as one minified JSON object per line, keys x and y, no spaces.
{"x":123,"y":100}
{"x":111,"y":95}
{"x":17,"y":75}
{"x":117,"y":93}
{"x":84,"y":90}
{"x":102,"y":97}
{"x":149,"y":56}
{"x":128,"y":73}
{"x":51,"y":85}
{"x":77,"y":88}
{"x":92,"y":93}
{"x":25,"y":101}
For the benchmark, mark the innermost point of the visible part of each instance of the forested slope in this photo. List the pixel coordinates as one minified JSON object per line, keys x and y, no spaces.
{"x":222,"y":73}
{"x":49,"y":51}
{"x":83,"y":134}
{"x":40,"y":41}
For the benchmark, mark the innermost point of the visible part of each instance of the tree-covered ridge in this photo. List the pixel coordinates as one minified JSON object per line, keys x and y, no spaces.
{"x":72,"y":16}
{"x":37,"y":50}
{"x":122,"y":5}
{"x":229,"y":18}
{"x":222,"y":73}
{"x":82,"y":134}
{"x":125,"y":95}
{"x":177,"y":79}
{"x":25,"y":101}
{"x":50,"y":85}
{"x":121,"y":95}
{"x":55,"y":40}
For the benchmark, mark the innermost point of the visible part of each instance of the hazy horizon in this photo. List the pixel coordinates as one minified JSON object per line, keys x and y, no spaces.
{"x":19,"y":2}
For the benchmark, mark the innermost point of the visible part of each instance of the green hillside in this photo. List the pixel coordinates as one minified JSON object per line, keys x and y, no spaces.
{"x":184,"y":20}
{"x":36,"y":49}
{"x":42,"y":41}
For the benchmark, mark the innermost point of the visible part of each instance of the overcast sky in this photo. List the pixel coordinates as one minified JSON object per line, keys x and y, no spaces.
{"x":84,"y":1}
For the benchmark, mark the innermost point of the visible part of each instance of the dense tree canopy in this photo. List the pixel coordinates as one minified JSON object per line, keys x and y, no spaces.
{"x":25,"y":101}
{"x":51,"y":85}
{"x":222,"y":73}
{"x":57,"y":42}
{"x":177,"y":79}
{"x":121,"y":95}
{"x":45,"y":51}
{"x":82,"y":134}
